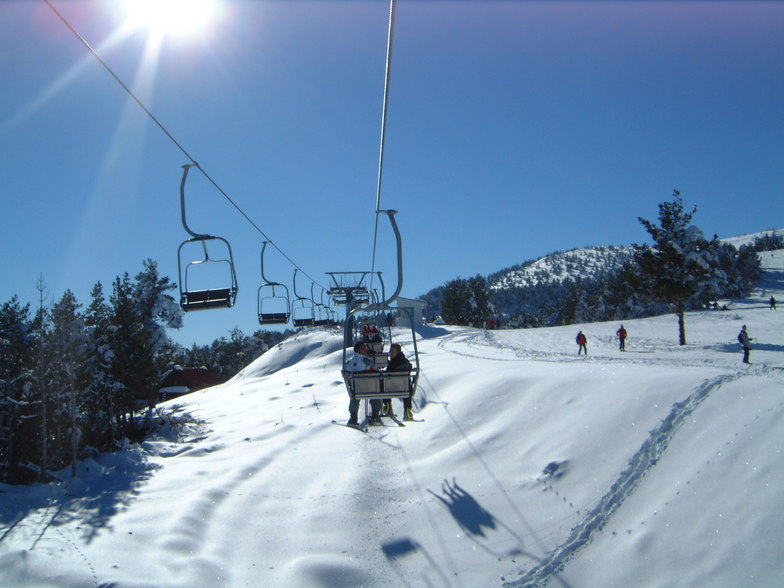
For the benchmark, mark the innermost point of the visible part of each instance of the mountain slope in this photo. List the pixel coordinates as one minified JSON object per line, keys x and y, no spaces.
{"x":655,"y":467}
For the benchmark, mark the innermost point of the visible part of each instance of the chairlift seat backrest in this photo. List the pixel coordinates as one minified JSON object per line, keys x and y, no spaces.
{"x":274,"y":318}
{"x":397,"y":383}
{"x":363,"y":384}
{"x":380,"y":360}
{"x":373,"y":385}
{"x":204,"y":299}
{"x":376,"y":346}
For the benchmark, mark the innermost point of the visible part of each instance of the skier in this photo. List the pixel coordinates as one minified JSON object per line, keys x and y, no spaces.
{"x":745,"y":341}
{"x":622,"y":338}
{"x":362,"y":363}
{"x":772,"y":303}
{"x":582,"y":343}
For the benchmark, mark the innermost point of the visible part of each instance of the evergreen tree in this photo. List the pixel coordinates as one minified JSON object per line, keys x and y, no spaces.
{"x":455,"y":307}
{"x":681,"y":264}
{"x":125,"y":326}
{"x":19,"y":437}
{"x":65,"y":350}
{"x":466,"y":302}
{"x":100,"y":387}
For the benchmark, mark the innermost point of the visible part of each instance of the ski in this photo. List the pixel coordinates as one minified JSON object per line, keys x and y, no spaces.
{"x":361,"y":428}
{"x":394,"y":418}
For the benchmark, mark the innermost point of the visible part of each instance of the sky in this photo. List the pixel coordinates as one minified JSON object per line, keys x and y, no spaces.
{"x":531,"y":466}
{"x":514,"y":129}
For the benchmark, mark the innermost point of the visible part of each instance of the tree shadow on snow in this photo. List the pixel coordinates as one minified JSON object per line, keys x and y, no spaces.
{"x":100,"y":490}
{"x":736,"y":348}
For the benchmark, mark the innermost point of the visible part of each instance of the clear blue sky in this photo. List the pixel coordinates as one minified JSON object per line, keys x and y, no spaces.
{"x":515,"y":129}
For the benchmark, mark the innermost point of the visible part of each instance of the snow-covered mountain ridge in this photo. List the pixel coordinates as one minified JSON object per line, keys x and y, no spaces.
{"x":584,"y":263}
{"x":589,"y":262}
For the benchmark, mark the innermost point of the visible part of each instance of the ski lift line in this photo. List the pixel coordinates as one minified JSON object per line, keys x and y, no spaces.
{"x":387,"y":77}
{"x":170,"y":136}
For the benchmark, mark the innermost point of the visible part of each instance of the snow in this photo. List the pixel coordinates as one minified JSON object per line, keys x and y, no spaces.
{"x":660,"y":466}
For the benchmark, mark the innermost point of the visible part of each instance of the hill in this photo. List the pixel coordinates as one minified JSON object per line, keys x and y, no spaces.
{"x":533,"y":293}
{"x":655,"y":467}
{"x":587,"y":263}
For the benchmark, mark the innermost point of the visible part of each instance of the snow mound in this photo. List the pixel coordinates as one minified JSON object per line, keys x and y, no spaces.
{"x":309,"y":344}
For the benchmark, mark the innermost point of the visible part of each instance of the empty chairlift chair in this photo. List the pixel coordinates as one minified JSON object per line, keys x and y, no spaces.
{"x":273,"y":302}
{"x":302,"y":309}
{"x":199,"y":297}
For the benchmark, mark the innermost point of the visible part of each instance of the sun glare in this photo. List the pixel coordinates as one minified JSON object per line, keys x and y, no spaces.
{"x":170,"y":17}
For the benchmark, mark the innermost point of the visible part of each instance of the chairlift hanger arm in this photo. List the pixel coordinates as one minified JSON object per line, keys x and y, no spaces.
{"x":263,"y":277}
{"x":399,"y":247}
{"x":185,"y":169}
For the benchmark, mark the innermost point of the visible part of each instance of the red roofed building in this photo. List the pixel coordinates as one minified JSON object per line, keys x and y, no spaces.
{"x":178,"y":381}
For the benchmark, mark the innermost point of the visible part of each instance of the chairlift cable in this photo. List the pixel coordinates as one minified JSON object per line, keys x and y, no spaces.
{"x":171,"y":137}
{"x":388,"y":74}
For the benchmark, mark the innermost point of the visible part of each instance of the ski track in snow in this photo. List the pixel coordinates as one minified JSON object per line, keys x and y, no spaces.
{"x":643,"y":460}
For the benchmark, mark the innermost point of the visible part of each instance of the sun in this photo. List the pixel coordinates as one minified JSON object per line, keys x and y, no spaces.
{"x":170,"y":17}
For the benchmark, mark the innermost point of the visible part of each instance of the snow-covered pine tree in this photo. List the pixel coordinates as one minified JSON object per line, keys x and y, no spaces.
{"x":100,"y":387}
{"x":681,"y":263}
{"x":65,"y":349}
{"x":18,"y":408}
{"x":125,"y":326}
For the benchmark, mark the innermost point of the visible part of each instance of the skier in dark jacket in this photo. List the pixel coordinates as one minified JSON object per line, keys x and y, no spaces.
{"x":582,"y":343}
{"x":398,"y":362}
{"x":745,"y":341}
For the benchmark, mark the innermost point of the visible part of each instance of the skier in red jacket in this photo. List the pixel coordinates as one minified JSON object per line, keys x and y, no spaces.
{"x":622,"y":338}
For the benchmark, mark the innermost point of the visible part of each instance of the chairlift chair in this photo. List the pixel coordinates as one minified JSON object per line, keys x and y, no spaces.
{"x":302,"y":309}
{"x":381,"y":384}
{"x":273,"y":302}
{"x":204,"y":298}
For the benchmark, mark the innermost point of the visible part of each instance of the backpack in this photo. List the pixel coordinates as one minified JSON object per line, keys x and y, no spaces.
{"x":740,"y":337}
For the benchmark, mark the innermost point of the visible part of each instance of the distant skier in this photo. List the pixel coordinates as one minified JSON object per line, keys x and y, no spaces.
{"x":622,"y":338}
{"x":745,"y":341}
{"x":582,"y":343}
{"x":772,"y":303}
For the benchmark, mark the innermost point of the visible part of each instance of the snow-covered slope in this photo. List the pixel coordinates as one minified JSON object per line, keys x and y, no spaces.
{"x":660,"y":466}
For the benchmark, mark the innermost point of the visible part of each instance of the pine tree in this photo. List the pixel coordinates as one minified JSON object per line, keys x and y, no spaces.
{"x":681,"y":264}
{"x":100,"y":387}
{"x":66,"y":348}
{"x":455,"y":307}
{"x":18,"y":407}
{"x":124,"y":327}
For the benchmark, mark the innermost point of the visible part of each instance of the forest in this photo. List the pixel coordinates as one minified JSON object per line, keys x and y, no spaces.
{"x":76,"y":381}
